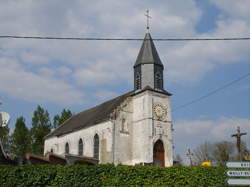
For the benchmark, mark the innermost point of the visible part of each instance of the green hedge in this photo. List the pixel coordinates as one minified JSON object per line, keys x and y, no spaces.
{"x":109,"y":175}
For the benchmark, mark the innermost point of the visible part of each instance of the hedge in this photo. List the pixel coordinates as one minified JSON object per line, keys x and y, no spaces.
{"x":109,"y":175}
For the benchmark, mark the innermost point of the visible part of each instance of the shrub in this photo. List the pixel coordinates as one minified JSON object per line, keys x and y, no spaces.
{"x":109,"y":175}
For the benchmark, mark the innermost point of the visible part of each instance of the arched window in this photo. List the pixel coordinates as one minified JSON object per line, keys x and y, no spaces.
{"x":67,"y":148}
{"x":96,"y":146}
{"x":80,"y":147}
{"x":158,"y":80}
{"x":51,"y":150}
{"x":138,"y":80}
{"x":123,"y":125}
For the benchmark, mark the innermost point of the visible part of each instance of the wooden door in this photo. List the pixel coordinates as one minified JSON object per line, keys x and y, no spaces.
{"x":158,"y":156}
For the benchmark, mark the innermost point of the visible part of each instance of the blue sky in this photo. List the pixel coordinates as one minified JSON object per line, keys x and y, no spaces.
{"x":79,"y":74}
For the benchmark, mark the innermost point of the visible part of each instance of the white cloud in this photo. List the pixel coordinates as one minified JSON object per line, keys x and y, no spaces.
{"x":19,"y":83}
{"x":63,"y":70}
{"x":91,"y":63}
{"x":238,"y":9}
{"x":105,"y":94}
{"x":190,"y":133}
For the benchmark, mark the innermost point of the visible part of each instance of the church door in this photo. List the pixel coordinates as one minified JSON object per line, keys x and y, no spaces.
{"x":158,"y":155}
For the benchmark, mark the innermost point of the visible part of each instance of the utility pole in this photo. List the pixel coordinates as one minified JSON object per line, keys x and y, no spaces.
{"x":189,"y":155}
{"x":238,"y":140}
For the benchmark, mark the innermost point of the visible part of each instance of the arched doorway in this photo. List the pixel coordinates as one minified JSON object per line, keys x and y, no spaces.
{"x":158,"y":156}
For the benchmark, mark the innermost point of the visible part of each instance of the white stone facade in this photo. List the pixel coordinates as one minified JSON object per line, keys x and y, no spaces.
{"x":126,"y":138}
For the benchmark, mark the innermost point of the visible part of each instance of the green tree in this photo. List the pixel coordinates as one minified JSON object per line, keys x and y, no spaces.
{"x":20,"y":138}
{"x":178,"y":160}
{"x":41,"y":126}
{"x":60,"y":119}
{"x":4,"y":137}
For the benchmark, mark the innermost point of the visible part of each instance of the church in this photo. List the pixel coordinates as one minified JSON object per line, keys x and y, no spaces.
{"x":132,"y":129}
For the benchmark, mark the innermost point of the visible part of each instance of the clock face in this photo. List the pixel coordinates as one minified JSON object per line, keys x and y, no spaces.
{"x":159,"y":110}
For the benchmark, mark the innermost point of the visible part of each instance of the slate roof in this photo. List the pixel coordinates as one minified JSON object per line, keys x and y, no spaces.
{"x":148,"y":53}
{"x":89,"y":117}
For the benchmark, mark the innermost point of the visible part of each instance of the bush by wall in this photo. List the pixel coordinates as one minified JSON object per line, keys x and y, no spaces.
{"x":109,"y":175}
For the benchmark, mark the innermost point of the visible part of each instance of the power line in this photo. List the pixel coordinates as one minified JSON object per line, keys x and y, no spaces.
{"x":212,"y":92}
{"x":118,"y":39}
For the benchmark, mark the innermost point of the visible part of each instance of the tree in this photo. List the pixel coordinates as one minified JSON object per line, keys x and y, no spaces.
{"x":178,"y":160}
{"x":60,"y":119}
{"x":218,"y":152}
{"x":223,"y":152}
{"x":41,"y":126}
{"x":203,"y":153}
{"x":4,"y":137}
{"x":20,"y":138}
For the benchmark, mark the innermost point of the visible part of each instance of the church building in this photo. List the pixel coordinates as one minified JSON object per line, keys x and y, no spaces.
{"x":132,"y":129}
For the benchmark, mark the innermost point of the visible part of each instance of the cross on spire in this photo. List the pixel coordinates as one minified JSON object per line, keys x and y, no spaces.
{"x":148,"y":17}
{"x":238,"y":140}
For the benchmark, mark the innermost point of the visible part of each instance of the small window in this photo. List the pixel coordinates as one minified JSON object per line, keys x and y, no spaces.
{"x":124,"y":126}
{"x":96,"y":146}
{"x":51,"y":150}
{"x":67,"y":148}
{"x":80,"y":148}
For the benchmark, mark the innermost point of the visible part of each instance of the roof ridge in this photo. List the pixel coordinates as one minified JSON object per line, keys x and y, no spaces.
{"x":90,"y":116}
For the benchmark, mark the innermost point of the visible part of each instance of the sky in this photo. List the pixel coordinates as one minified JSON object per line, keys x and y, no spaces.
{"x":77,"y":75}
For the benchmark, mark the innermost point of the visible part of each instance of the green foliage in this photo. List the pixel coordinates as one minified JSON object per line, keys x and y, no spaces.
{"x":218,"y":152}
{"x":20,"y":138}
{"x":40,"y":128}
{"x":4,"y":137}
{"x":178,"y":160}
{"x":223,"y":152}
{"x":109,"y":175}
{"x":60,"y":119}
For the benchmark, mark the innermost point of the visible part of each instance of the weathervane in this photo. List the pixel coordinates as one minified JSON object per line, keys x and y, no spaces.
{"x":148,"y":17}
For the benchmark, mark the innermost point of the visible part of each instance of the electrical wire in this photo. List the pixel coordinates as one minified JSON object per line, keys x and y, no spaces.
{"x":212,"y":92}
{"x":118,"y":39}
{"x":140,"y":39}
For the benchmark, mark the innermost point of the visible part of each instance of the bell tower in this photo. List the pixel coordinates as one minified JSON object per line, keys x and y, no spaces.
{"x":152,"y":126}
{"x":148,"y":68}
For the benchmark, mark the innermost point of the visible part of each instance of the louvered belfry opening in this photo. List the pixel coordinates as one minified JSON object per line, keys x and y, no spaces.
{"x":148,"y":68}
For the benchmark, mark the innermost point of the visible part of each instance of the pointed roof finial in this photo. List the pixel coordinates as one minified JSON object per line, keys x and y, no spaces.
{"x":148,"y":17}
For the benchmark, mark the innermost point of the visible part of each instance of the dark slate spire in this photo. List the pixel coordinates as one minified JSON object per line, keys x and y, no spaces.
{"x":148,"y":53}
{"x":148,"y":68}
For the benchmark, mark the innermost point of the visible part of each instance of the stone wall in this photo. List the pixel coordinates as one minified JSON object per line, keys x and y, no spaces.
{"x":104,"y":131}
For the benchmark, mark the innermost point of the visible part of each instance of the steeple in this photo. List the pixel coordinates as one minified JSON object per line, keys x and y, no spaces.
{"x":148,"y":53}
{"x":148,"y":68}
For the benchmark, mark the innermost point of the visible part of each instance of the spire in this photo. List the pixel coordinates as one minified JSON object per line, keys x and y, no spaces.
{"x":148,"y":53}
